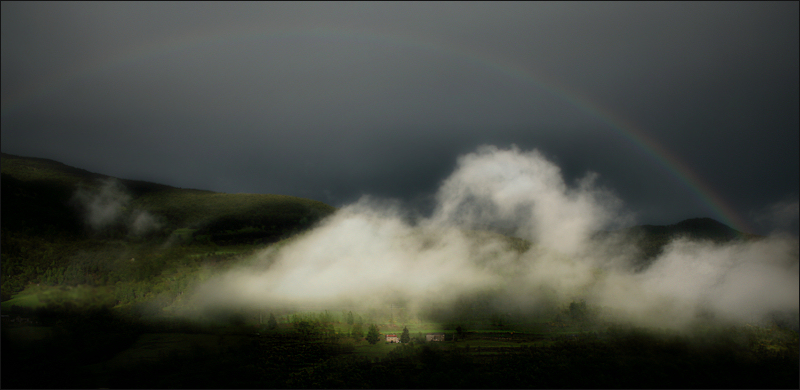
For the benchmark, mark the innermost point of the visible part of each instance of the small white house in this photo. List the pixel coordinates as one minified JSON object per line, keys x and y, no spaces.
{"x":392,"y":338}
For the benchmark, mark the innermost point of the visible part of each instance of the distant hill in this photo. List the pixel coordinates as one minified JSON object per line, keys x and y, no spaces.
{"x":695,"y":228}
{"x":63,"y":225}
{"x":651,"y":239}
{"x":39,"y":197}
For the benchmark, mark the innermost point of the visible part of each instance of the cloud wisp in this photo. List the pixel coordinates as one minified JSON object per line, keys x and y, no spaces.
{"x":368,"y":254}
{"x":108,"y":207}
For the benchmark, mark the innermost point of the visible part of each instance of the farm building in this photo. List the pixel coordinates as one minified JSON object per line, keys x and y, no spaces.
{"x":434,"y":337}
{"x":392,"y":338}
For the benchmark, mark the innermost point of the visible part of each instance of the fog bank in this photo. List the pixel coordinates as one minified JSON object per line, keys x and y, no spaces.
{"x":368,"y":254}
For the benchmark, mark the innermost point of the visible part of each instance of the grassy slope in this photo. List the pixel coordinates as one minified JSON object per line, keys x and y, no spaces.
{"x":45,"y":239}
{"x":34,"y":183}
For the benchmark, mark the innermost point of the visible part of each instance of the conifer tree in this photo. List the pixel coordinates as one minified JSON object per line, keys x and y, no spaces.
{"x":357,"y":331}
{"x":405,"y":337}
{"x":373,"y":336}
{"x":272,"y":323}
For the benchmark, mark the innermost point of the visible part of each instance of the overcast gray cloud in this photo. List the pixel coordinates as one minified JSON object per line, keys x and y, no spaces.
{"x":334,"y":100}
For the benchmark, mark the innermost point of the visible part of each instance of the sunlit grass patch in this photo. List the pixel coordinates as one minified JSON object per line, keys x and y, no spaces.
{"x":40,"y":296}
{"x":184,"y":233}
{"x":23,"y":299}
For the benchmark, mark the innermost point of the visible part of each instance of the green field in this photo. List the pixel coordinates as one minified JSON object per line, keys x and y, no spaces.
{"x":41,"y":296}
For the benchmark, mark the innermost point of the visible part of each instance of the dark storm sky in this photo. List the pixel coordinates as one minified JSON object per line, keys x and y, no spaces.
{"x":334,"y":100}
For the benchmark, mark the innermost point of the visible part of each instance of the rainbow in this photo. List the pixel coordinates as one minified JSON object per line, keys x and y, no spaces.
{"x":175,"y":44}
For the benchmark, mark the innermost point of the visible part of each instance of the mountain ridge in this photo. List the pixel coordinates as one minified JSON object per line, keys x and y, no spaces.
{"x":41,"y":195}
{"x":29,"y":177}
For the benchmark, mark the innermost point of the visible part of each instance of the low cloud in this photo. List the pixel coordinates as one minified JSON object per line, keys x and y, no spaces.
{"x":524,"y":194}
{"x":369,"y":254}
{"x":103,"y":207}
{"x":142,"y":223}
{"x":739,"y":282}
{"x":108,"y":207}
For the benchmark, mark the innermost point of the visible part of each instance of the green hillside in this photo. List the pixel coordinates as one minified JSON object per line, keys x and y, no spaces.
{"x":94,"y":302}
{"x":39,"y":192}
{"x":234,"y":218}
{"x":49,"y":236}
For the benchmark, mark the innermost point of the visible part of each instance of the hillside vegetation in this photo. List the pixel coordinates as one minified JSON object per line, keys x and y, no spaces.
{"x":63,"y":224}
{"x":53,"y":233}
{"x":95,"y":271}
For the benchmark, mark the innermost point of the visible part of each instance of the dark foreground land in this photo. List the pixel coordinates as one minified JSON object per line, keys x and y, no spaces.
{"x":99,"y":348}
